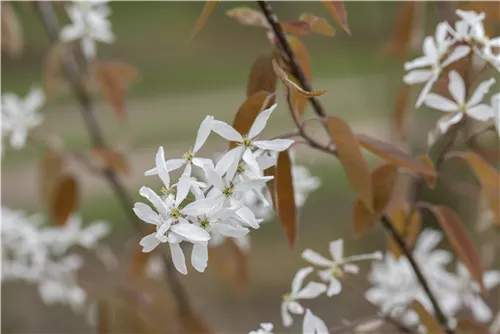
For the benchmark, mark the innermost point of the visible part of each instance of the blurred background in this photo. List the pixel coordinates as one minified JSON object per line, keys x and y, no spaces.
{"x":180,"y":83}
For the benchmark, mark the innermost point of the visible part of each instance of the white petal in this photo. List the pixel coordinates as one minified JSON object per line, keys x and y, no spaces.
{"x":213,"y":177}
{"x":200,"y":162}
{"x":480,"y":309}
{"x":71,"y":32}
{"x":430,"y":49}
{"x":174,"y":164}
{"x":351,"y":268}
{"x":427,"y":88}
{"x":419,"y":62}
{"x":183,"y":187}
{"x":248,"y":217}
{"x":481,"y":90}
{"x":285,"y":316}
{"x":458,"y":53}
{"x":482,"y":112}
{"x":145,"y":213}
{"x":456,"y":87}
{"x":225,"y":161}
{"x":445,"y":122}
{"x":161,"y":167}
{"x":265,"y":162}
{"x":250,"y":160}
{"x":491,"y":279}
{"x":417,"y":76}
{"x":199,"y":256}
{"x":277,"y":145}
{"x":203,"y":132}
{"x":18,"y":138}
{"x":334,"y":287}
{"x":311,"y":291}
{"x":149,"y":242}
{"x":337,"y":249}
{"x":178,"y":258}
{"x":88,"y":47}
{"x":200,"y":207}
{"x":158,"y":203}
{"x":226,"y":131}
{"x":299,"y":278}
{"x":316,"y":259}
{"x":252,"y":183}
{"x":233,"y":167}
{"x":440,"y":103}
{"x":189,"y":231}
{"x":295,"y":307}
{"x":260,"y":122}
{"x":35,"y":99}
{"x":313,"y":324}
{"x":228,"y":230}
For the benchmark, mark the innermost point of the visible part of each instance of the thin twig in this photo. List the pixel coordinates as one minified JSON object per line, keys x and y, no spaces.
{"x":273,"y":21}
{"x":71,"y":69}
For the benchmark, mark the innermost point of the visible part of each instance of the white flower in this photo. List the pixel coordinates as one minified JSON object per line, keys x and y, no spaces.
{"x":249,"y":142}
{"x":265,"y":328}
{"x":19,"y":116}
{"x":89,"y":23}
{"x":470,"y":294}
{"x":189,"y":158}
{"x":303,"y":184}
{"x":473,"y":107}
{"x":313,"y":324}
{"x":337,"y":267}
{"x":225,"y":191}
{"x":310,"y":291}
{"x":435,"y":49}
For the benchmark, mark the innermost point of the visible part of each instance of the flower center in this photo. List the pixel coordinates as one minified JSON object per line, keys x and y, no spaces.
{"x":205,"y":223}
{"x":188,"y":156}
{"x":463,"y":108}
{"x":240,"y":169}
{"x":247,"y":142}
{"x":337,"y":272}
{"x":228,"y":190}
{"x":175,"y":213}
{"x":287,"y":298}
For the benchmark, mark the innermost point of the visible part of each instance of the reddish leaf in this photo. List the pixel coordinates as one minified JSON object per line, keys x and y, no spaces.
{"x":103,"y":317}
{"x":338,"y":12}
{"x":394,"y":155}
{"x":297,"y":27}
{"x":292,"y":85}
{"x":191,"y":323}
{"x":64,"y":200}
{"x":248,"y":111}
{"x":286,"y":209}
{"x":319,"y":25}
{"x":202,"y":19}
{"x":401,"y":109}
{"x":383,"y":179}
{"x":112,"y":159}
{"x":429,"y":179}
{"x":352,"y":159}
{"x":12,"y":33}
{"x":460,"y":241}
{"x":398,"y":216}
{"x":51,"y":166}
{"x":261,"y":76}
{"x":400,"y":41}
{"x":248,"y":16}
{"x":298,"y":100}
{"x":115,"y":77}
{"x":488,"y":177}
{"x":427,"y":319}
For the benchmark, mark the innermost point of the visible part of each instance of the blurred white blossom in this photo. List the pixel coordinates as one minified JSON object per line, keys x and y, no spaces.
{"x":89,"y":23}
{"x":41,"y":254}
{"x":313,"y":324}
{"x":338,"y":266}
{"x":19,"y":116}
{"x":265,"y":328}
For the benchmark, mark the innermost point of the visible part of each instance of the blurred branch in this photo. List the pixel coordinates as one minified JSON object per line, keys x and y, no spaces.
{"x":387,"y":319}
{"x":287,"y":51}
{"x":71,"y":69}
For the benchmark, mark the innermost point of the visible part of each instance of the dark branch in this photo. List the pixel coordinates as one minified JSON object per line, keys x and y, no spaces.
{"x":72,"y":72}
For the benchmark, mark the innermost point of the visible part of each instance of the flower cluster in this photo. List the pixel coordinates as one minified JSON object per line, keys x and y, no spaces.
{"x":395,"y":284}
{"x":19,"y":116}
{"x":216,"y":207}
{"x":89,"y":23}
{"x":448,"y":46}
{"x":41,"y":254}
